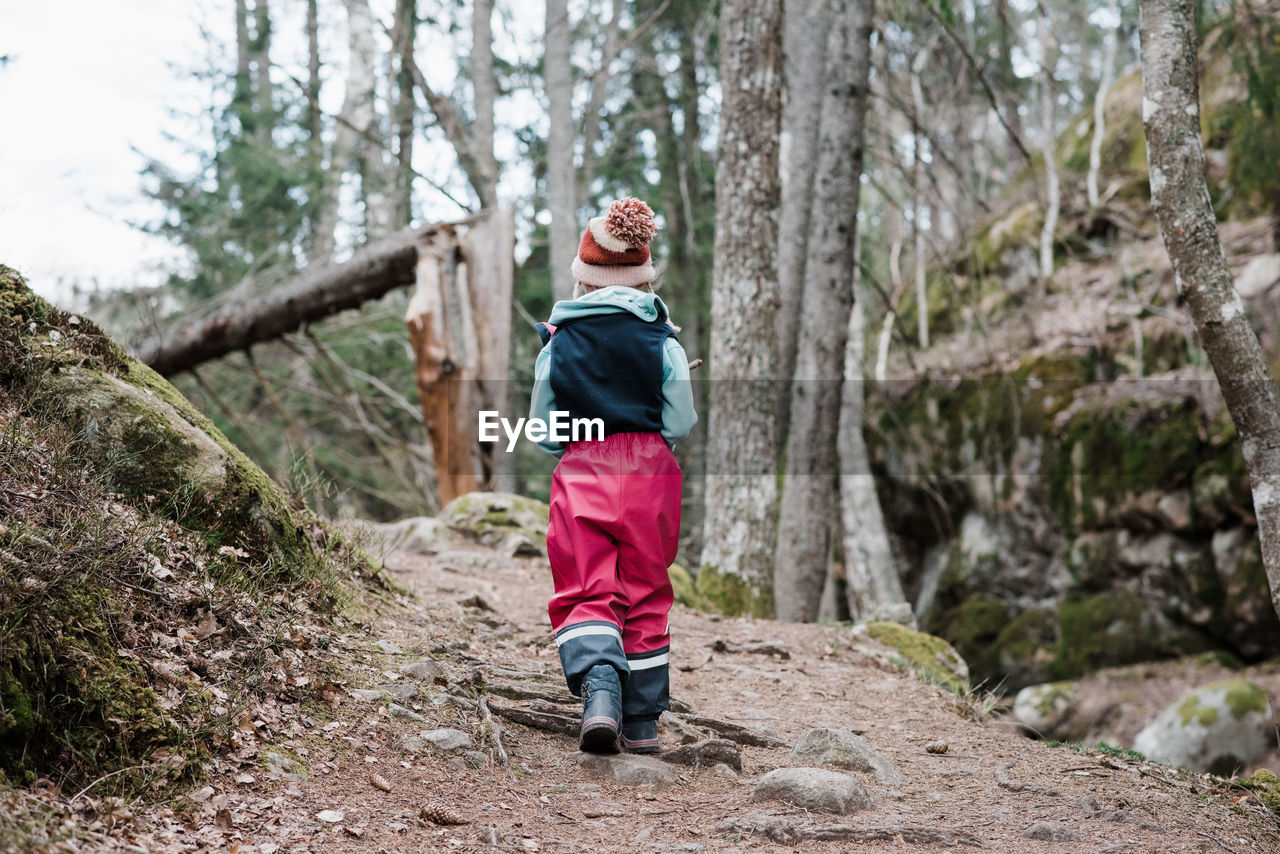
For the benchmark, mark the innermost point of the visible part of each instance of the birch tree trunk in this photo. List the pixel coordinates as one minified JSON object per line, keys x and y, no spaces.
{"x":872,"y":586}
{"x":1180,"y":196}
{"x":485,"y":83}
{"x":313,"y":81}
{"x":810,"y":507}
{"x":1100,"y":102}
{"x":1053,"y":192}
{"x":917,"y":193}
{"x":741,"y":523}
{"x":804,"y":42}
{"x":558,"y":75}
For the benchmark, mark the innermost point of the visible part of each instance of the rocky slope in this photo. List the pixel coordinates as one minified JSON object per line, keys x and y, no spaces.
{"x":1063,"y":482}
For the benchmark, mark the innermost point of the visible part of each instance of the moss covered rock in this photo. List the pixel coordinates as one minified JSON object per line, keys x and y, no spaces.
{"x":1267,"y":785}
{"x":510,"y":523}
{"x":1041,"y":709}
{"x":929,"y":656}
{"x":1220,"y":727}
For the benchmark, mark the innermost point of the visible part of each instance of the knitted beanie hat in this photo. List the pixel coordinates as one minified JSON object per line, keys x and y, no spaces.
{"x":615,"y":247}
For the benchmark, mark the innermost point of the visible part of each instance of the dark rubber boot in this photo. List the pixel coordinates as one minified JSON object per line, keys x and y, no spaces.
{"x":601,"y":710}
{"x":640,"y":736}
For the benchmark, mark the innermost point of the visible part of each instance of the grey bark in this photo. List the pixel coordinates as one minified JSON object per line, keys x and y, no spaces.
{"x":361,"y":99}
{"x":804,"y":46}
{"x":1180,"y":196}
{"x":558,"y":75}
{"x":740,"y":529}
{"x":405,"y":34}
{"x":262,"y":70}
{"x":917,"y":195}
{"x":317,"y":292}
{"x":244,"y":81}
{"x":313,"y":79}
{"x":1100,"y":103}
{"x":485,"y":84}
{"x":872,"y":586}
{"x":810,"y":491}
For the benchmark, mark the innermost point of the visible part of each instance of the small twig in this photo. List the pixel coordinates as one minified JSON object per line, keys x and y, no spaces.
{"x":695,"y":364}
{"x":80,"y":793}
{"x":1215,"y":840}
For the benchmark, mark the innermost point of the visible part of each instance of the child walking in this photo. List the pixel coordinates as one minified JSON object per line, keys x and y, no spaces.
{"x":611,"y":353}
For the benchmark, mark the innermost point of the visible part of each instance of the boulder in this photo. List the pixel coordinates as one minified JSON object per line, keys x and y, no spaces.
{"x":1041,"y":709}
{"x":419,"y":535}
{"x":628,"y":769}
{"x":1220,"y":727}
{"x":705,"y":754}
{"x":931,"y":657}
{"x":512,"y":524}
{"x":813,"y":789}
{"x":842,"y":748}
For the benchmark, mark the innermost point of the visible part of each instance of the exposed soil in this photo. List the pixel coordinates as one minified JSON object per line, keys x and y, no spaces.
{"x":817,"y":676}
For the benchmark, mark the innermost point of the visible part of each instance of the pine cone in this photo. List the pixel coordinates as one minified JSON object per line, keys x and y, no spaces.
{"x":440,"y":814}
{"x":631,"y":221}
{"x":380,"y":782}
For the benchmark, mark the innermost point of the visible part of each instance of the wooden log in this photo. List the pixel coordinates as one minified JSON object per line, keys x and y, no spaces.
{"x":316,"y":293}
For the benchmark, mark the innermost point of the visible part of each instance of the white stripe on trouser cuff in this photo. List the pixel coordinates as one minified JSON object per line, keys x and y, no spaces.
{"x":584,"y":631}
{"x":646,"y":663}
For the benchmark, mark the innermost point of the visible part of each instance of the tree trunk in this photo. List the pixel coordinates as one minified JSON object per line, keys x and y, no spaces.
{"x":1180,"y":196}
{"x":558,"y":74}
{"x":361,"y":96}
{"x":320,"y":290}
{"x":262,"y":71}
{"x":485,"y":83}
{"x":1100,"y":102}
{"x":804,"y":42}
{"x":810,"y":492}
{"x":244,"y":81}
{"x":872,"y":587}
{"x":406,"y":29}
{"x":313,"y":82}
{"x":1053,"y":192}
{"x":917,"y":195}
{"x":741,"y":524}
{"x":1007,"y":79}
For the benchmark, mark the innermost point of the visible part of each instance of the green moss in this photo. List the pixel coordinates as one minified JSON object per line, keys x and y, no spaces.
{"x":931,"y":657}
{"x":1103,"y":630}
{"x":1112,"y":449}
{"x":1242,"y":697}
{"x":1023,"y":649}
{"x":1191,"y":710}
{"x":686,"y":591}
{"x":972,"y":628}
{"x":1267,"y":785}
{"x":732,"y":595}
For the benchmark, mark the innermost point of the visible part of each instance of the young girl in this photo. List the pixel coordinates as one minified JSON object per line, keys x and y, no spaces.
{"x":611,"y":353}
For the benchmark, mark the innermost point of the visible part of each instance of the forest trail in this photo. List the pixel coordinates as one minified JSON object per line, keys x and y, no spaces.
{"x":478,"y":612}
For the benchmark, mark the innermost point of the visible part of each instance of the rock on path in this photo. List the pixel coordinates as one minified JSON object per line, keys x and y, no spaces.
{"x":813,"y":789}
{"x":842,"y":748}
{"x":628,"y":769}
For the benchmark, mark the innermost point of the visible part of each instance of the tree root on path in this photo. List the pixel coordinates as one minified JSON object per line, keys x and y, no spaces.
{"x":1004,"y":781}
{"x":731,"y":731}
{"x":788,"y":832}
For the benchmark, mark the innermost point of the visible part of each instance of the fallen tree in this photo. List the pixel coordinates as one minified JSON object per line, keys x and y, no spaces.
{"x":316,"y":293}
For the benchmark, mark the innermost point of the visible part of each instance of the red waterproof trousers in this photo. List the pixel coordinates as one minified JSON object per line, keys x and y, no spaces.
{"x":615,"y":523}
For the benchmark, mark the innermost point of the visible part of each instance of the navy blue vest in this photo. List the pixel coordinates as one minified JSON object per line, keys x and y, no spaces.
{"x":609,"y":366}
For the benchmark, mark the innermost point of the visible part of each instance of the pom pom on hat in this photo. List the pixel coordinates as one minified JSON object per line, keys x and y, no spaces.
{"x":631,"y":221}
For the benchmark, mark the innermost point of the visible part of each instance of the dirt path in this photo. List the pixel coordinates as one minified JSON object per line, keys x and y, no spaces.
{"x":480,"y":615}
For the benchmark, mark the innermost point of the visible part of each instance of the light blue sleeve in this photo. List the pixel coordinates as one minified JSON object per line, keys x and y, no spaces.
{"x":543,"y":402}
{"x":678,"y":415}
